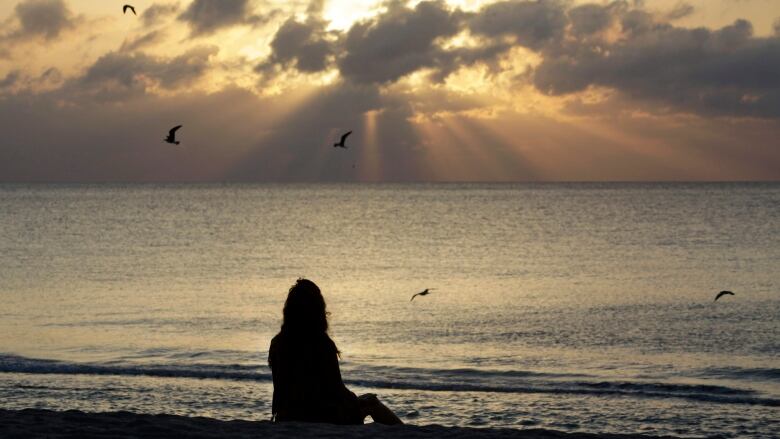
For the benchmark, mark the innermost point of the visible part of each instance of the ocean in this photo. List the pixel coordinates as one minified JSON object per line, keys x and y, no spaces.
{"x":576,"y":307}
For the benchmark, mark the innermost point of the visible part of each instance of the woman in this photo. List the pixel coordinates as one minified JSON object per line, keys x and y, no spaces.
{"x":305,"y":367}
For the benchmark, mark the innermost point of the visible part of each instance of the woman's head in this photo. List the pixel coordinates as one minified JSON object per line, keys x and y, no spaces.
{"x":304,"y":311}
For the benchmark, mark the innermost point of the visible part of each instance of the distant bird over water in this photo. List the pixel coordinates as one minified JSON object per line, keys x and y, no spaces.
{"x":425,"y":292}
{"x":126,"y":7}
{"x":340,"y":143}
{"x":723,"y":293}
{"x":172,"y":136}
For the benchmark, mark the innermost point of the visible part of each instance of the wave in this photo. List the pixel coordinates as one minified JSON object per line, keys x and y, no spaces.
{"x":408,"y":378}
{"x":17,"y":364}
{"x":744,"y":373}
{"x":702,"y":393}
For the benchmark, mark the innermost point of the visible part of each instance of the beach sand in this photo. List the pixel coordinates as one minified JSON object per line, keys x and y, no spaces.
{"x":33,"y":423}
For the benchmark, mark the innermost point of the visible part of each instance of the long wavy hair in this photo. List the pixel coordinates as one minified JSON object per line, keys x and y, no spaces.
{"x":305,"y":315}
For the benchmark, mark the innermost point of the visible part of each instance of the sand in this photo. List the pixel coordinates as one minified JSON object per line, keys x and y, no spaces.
{"x":33,"y":423}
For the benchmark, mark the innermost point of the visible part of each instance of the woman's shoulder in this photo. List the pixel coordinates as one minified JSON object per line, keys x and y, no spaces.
{"x":276,"y":342}
{"x":318,"y":342}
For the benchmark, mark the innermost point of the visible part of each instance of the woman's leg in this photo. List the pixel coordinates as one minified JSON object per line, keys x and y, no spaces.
{"x":370,"y":405}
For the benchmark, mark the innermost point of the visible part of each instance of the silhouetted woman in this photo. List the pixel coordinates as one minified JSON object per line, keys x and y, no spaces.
{"x":305,"y":366}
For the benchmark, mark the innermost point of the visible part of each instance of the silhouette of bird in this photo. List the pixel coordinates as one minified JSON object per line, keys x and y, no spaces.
{"x":425,"y":292}
{"x":172,"y":135}
{"x":340,"y":143}
{"x":126,"y":7}
{"x":723,"y":293}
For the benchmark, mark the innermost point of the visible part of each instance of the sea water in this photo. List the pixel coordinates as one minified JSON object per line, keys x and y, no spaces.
{"x":577,"y":307}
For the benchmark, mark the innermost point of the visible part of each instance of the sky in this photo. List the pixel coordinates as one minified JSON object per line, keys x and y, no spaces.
{"x":459,"y":90}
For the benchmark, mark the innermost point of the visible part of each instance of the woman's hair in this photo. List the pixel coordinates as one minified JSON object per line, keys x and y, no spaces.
{"x":304,"y":311}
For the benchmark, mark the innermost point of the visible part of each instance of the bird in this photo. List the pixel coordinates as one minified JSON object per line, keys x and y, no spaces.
{"x":340,"y":143}
{"x":425,"y":292}
{"x":126,"y":7}
{"x":172,"y":135}
{"x":723,"y":293}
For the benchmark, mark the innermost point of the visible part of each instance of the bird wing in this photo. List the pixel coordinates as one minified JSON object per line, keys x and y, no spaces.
{"x":172,"y":132}
{"x":345,"y":135}
{"x":414,"y":297}
{"x":723,"y":293}
{"x":126,"y":7}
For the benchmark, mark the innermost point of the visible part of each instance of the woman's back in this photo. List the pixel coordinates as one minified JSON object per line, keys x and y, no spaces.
{"x":307,"y":381}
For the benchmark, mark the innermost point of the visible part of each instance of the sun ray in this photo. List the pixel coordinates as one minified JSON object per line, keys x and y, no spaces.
{"x":370,"y":157}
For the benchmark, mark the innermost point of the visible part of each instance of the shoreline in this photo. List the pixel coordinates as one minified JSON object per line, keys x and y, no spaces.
{"x":40,"y":423}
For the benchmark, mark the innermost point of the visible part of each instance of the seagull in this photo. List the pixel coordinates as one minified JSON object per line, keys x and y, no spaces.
{"x":723,"y":293}
{"x":341,"y":142}
{"x":422,"y":293}
{"x":172,"y":136}
{"x":126,"y":7}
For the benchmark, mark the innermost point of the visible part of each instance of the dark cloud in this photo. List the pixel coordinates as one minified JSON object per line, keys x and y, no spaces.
{"x":303,"y":46}
{"x":727,"y":71}
{"x":724,"y":72}
{"x":52,"y":75}
{"x":588,"y":19}
{"x":45,"y":19}
{"x":122,"y":75}
{"x":101,"y":141}
{"x":636,"y":21}
{"x":228,"y":137}
{"x":10,"y":79}
{"x":398,"y":42}
{"x":208,"y":16}
{"x":451,"y":60}
{"x":17,"y":82}
{"x":145,"y":40}
{"x":157,"y":12}
{"x":379,"y":50}
{"x":532,"y":23}
{"x":682,"y":10}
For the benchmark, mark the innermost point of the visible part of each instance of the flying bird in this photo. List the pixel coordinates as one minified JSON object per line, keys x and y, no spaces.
{"x":340,"y":143}
{"x":425,"y":292}
{"x":723,"y":293}
{"x":172,"y":135}
{"x":126,"y":7}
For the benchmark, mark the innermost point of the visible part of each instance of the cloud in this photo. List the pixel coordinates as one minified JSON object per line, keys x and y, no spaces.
{"x":205,"y":17}
{"x":18,"y":82}
{"x":50,"y":76}
{"x":398,"y":42}
{"x":122,"y":75}
{"x":157,"y":12}
{"x":588,"y":19}
{"x":379,"y":50}
{"x":682,"y":10}
{"x":616,"y":45}
{"x":724,"y":72}
{"x":303,"y":46}
{"x":101,"y":141}
{"x":229,"y":137}
{"x":10,"y":79}
{"x":532,"y":23}
{"x":145,"y":40}
{"x":45,"y":19}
